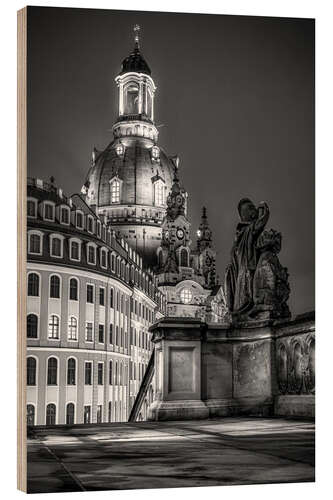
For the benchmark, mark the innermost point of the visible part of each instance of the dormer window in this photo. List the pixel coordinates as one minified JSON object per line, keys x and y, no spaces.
{"x":115,"y":188}
{"x":49,"y":211}
{"x":90,"y":224}
{"x":99,"y":229}
{"x":79,"y":220}
{"x":32,"y":208}
{"x":103,"y":258}
{"x":64,"y":215}
{"x":159,"y":193}
{"x":120,"y":149}
{"x":155,"y":153}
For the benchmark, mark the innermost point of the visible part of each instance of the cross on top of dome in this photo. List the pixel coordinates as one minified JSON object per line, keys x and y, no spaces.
{"x":135,"y":61}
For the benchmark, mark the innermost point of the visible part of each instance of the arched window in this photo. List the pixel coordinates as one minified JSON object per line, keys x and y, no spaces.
{"x":70,"y":412}
{"x":52,"y":371}
{"x":55,"y":287}
{"x":35,"y":243}
{"x":298,"y":372}
{"x":115,"y":191}
{"x":32,"y":326}
{"x":31,"y":208}
{"x":72,"y":328}
{"x":110,"y":373}
{"x":51,"y":414}
{"x":149,"y":104}
{"x":186,"y":295}
{"x":91,"y":257}
{"x":131,"y":99}
{"x":159,"y":193}
{"x":183,"y":258}
{"x":282,"y":369}
{"x":30,"y":415}
{"x":73,"y":289}
{"x":53,"y":327}
{"x":31,"y":371}
{"x":71,"y":371}
{"x":110,"y":412}
{"x":33,"y":285}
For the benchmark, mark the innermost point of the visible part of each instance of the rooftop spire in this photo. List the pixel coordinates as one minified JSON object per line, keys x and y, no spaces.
{"x":136,"y":30}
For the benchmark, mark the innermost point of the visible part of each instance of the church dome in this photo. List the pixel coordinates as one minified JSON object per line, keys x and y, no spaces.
{"x":135,"y":63}
{"x":138,"y":164}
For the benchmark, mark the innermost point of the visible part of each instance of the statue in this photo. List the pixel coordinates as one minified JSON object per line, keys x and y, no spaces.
{"x":256,"y":285}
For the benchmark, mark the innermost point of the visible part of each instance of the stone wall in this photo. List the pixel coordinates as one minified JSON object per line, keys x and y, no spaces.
{"x":259,"y":370}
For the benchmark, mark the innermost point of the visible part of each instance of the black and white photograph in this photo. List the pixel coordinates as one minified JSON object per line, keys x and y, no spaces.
{"x":169,"y":201}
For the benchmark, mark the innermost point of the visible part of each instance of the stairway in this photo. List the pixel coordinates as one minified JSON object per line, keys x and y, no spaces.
{"x":147,"y":378}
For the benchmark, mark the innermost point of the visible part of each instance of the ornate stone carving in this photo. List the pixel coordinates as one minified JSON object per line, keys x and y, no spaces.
{"x":256,"y":285}
{"x":296,"y":365}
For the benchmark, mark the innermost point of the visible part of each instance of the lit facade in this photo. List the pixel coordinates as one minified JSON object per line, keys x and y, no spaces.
{"x":89,"y":306}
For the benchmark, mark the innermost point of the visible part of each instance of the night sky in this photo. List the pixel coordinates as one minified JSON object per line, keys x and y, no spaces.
{"x":235,"y":99}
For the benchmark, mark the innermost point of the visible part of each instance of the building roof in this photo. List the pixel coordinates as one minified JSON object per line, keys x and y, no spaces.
{"x":135,"y":63}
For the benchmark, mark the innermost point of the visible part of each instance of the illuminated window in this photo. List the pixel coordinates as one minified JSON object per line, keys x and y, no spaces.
{"x":72,"y":328}
{"x":115,"y":191}
{"x":54,"y":327}
{"x":131,"y":104}
{"x":155,"y":153}
{"x":120,"y":149}
{"x":186,"y":296}
{"x":159,"y":192}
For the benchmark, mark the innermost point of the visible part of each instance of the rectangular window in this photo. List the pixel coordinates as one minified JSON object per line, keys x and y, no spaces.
{"x":56,"y":247}
{"x":110,"y":335}
{"x":90,"y":224}
{"x":112,"y":262}
{"x":90,"y":294}
{"x":101,"y":334}
{"x":35,"y":243}
{"x":99,"y":414}
{"x":87,"y":414}
{"x":111,"y":297}
{"x":103,"y":258}
{"x":91,"y":255}
{"x":100,"y":374}
{"x":75,"y":250}
{"x":88,"y":373}
{"x":89,"y":332}
{"x":102,"y":296}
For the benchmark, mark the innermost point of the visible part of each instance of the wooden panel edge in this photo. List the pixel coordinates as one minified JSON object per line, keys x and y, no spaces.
{"x":21,"y":246}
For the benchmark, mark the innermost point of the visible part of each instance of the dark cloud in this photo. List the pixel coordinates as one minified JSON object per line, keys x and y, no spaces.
{"x":235,"y":97}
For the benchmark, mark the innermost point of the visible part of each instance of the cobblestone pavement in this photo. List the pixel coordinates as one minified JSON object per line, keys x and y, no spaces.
{"x":142,"y":455}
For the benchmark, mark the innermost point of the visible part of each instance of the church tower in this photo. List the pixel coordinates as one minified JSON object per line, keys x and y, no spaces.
{"x":129,"y":180}
{"x":205,"y":255}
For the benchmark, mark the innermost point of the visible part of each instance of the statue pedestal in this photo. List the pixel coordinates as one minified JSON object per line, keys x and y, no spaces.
{"x":177,"y":370}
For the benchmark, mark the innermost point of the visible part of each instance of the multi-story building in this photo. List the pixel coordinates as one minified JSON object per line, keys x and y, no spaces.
{"x":90,"y":303}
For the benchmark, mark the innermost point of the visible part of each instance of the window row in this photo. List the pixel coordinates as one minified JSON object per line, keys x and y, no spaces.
{"x":117,"y":300}
{"x":51,"y":413}
{"x":117,"y":372}
{"x":49,"y":211}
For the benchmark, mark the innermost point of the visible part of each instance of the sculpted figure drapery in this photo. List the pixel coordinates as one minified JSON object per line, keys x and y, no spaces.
{"x":244,"y":256}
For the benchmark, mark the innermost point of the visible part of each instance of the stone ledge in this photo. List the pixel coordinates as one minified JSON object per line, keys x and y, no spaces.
{"x":295,"y":405}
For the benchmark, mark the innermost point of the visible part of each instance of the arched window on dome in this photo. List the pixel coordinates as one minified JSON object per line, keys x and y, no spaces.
{"x":159,"y":193}
{"x":131,"y":99}
{"x":149,"y":109}
{"x":115,"y":189}
{"x":184,"y":257}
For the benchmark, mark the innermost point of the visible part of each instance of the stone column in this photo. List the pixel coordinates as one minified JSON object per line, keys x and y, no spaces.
{"x":177,"y":370}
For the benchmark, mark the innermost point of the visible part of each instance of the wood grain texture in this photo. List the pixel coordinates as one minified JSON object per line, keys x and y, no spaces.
{"x":21,"y":246}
